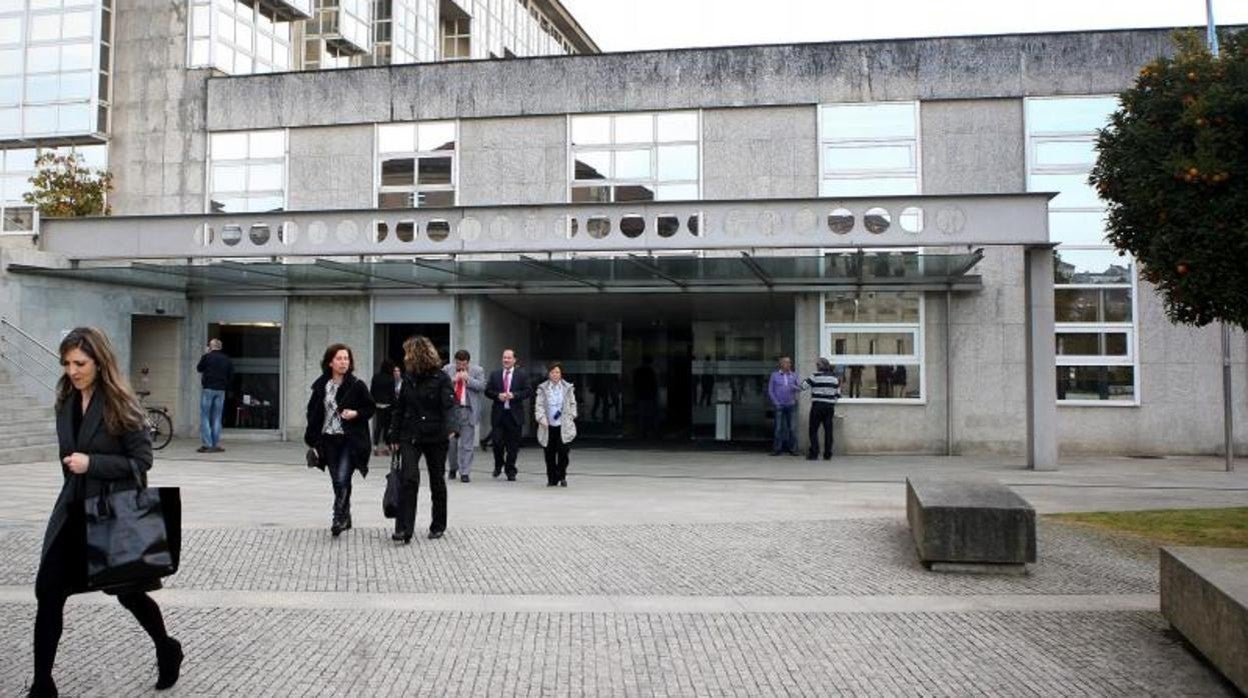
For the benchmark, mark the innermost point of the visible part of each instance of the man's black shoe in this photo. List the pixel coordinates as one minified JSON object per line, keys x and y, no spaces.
{"x":451,"y":475}
{"x":434,"y":535}
{"x":464,"y":478}
{"x":511,"y":478}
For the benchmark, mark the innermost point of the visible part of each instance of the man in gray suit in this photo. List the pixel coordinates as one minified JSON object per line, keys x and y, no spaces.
{"x":468,"y":379}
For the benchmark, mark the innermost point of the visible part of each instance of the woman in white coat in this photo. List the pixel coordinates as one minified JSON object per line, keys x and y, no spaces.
{"x":555,"y":410}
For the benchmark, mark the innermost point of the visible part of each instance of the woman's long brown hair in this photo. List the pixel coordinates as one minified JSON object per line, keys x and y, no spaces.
{"x":420,"y":356}
{"x":122,"y":412}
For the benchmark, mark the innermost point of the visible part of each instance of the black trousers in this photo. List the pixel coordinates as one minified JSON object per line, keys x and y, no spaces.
{"x":62,"y":573}
{"x":506,"y":438}
{"x":381,"y":425}
{"x":556,"y":452}
{"x":434,"y":454}
{"x":821,"y":414}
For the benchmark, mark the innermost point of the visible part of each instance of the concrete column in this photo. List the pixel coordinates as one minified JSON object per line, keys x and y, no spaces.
{"x":807,"y":338}
{"x":1041,"y":359}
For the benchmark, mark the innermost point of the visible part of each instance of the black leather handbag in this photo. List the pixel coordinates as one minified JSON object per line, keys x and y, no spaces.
{"x":133,"y":536}
{"x":390,"y":500}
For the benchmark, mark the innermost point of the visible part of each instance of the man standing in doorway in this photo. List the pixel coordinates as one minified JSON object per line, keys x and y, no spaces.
{"x":468,"y":380}
{"x":508,"y":387}
{"x":216,"y":370}
{"x":783,"y":390}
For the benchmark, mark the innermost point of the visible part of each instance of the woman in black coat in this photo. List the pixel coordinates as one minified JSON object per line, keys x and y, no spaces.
{"x":337,"y":431}
{"x":421,"y":425}
{"x":384,"y":389}
{"x":100,"y":429}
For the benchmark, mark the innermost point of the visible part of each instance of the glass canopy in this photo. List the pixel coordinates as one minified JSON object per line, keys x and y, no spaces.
{"x":632,"y":273}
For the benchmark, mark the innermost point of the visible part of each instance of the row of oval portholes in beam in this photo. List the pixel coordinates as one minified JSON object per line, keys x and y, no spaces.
{"x":840,"y":221}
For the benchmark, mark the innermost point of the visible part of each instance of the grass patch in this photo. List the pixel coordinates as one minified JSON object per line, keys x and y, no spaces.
{"x":1216,"y":528}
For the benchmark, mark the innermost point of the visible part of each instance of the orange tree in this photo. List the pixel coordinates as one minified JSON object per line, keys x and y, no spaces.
{"x":64,"y":187}
{"x":1173,"y":167}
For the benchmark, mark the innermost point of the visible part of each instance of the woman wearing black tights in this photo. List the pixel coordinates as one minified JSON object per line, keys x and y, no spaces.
{"x":99,"y":426}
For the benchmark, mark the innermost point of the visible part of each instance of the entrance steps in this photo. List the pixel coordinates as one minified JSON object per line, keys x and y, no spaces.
{"x":27,"y":425}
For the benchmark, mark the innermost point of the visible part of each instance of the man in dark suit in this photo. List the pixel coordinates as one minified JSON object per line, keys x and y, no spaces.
{"x":508,"y":388}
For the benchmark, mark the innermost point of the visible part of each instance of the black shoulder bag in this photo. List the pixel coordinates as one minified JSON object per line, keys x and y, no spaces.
{"x":133,"y":536}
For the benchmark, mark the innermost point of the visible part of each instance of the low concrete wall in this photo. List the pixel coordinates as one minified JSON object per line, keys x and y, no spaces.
{"x":1204,"y":595}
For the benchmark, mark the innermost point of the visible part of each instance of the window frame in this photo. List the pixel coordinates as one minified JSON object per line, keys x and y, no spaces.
{"x":613,"y":146}
{"x":245,"y":163}
{"x":416,"y":155}
{"x":1132,"y":328}
{"x":827,"y":139}
{"x":918,"y":359}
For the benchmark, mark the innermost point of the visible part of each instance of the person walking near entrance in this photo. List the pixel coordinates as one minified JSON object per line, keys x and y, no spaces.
{"x":468,"y":380}
{"x":337,"y":431}
{"x":384,"y":389}
{"x":99,"y":425}
{"x":555,"y":410}
{"x":825,"y":390}
{"x":419,"y":427}
{"x":783,"y":390}
{"x":216,"y":370}
{"x":508,"y":387}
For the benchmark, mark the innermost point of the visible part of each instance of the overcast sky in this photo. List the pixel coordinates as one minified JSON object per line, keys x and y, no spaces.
{"x":628,"y":25}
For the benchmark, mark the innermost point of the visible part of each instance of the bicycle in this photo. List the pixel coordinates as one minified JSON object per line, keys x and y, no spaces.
{"x":159,"y":423}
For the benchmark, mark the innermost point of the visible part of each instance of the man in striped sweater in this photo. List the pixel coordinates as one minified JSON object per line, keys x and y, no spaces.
{"x":825,"y":390}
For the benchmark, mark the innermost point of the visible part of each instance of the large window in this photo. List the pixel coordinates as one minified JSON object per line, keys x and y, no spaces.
{"x":1094,"y":288}
{"x":875,"y":342}
{"x":416,"y":164}
{"x":55,"y":59}
{"x":237,"y":37}
{"x":247,"y":171}
{"x":869,"y":149}
{"x":16,"y":168}
{"x":635,"y":157}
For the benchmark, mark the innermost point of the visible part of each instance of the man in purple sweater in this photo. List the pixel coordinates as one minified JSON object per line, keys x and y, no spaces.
{"x":783,"y":389}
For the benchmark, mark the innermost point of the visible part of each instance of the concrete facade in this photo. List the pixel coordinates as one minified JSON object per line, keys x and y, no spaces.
{"x":759,"y":139}
{"x":760,"y":152}
{"x":158,"y":147}
{"x":330,"y":168}
{"x":520,"y":160}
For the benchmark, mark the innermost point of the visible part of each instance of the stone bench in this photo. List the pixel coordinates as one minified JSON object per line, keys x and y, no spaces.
{"x":963,"y":525}
{"x":1204,"y":595}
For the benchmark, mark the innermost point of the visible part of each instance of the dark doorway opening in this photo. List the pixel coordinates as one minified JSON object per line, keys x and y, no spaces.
{"x":388,"y":341}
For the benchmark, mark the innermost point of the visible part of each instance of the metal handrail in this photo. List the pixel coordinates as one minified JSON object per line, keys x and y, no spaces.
{"x":35,"y":366}
{"x":4,"y":321}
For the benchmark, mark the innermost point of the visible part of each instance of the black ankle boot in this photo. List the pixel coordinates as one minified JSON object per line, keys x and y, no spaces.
{"x":169,"y":663}
{"x":42,"y":689}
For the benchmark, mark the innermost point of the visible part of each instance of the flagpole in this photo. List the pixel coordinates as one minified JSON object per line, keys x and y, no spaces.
{"x":1211,"y":36}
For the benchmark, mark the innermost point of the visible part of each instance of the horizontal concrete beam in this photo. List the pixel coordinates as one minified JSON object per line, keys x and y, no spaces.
{"x":901,"y":221}
{"x":1008,"y":66}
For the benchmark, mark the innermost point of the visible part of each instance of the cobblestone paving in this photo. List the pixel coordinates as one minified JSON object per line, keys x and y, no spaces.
{"x":334,"y":653}
{"x":844,"y":557}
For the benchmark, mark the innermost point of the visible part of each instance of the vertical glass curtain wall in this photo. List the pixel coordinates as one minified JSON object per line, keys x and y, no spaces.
{"x":635,"y":157}
{"x":55,"y":61}
{"x":874,"y":340}
{"x":1095,"y":288}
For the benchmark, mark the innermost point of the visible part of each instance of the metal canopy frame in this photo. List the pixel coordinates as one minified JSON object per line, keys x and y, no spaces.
{"x":626,"y":273}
